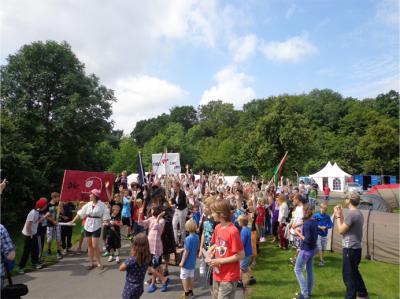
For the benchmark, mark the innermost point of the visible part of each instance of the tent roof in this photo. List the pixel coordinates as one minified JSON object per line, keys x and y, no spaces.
{"x":330,"y":171}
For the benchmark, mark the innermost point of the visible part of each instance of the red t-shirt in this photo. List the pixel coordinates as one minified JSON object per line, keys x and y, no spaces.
{"x":260,"y":215}
{"x":228,"y":242}
{"x":327,"y":190}
{"x":135,"y":215}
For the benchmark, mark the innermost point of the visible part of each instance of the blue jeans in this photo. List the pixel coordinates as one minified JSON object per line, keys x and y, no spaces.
{"x":305,"y":258}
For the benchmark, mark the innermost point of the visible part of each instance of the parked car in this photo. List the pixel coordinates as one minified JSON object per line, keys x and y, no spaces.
{"x":353,"y":187}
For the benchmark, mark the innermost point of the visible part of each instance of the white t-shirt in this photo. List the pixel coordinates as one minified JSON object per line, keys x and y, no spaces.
{"x":95,"y":215}
{"x":297,"y":217}
{"x":34,"y":217}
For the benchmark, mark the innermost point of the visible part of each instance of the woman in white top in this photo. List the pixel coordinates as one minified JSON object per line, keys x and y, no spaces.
{"x":283,"y":215}
{"x":95,"y":212}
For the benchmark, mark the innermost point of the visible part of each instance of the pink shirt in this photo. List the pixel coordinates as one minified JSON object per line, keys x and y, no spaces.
{"x":155,"y":232}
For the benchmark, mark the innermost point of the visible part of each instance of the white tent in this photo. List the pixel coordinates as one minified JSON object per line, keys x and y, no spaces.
{"x":333,"y":175}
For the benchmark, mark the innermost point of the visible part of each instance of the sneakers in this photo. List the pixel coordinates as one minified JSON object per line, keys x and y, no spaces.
{"x":105,"y":254}
{"x":240,"y":284}
{"x":59,"y":255}
{"x":164,"y":287}
{"x":117,"y":259}
{"x":48,"y":253}
{"x":64,"y":251}
{"x":321,"y":263}
{"x":298,"y":296}
{"x":152,"y":288}
{"x":21,"y":271}
{"x":252,"y":281}
{"x":38,"y":266}
{"x":110,"y":258}
{"x":292,"y":261}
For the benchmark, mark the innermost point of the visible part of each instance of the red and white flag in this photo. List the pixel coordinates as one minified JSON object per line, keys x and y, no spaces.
{"x":77,"y":185}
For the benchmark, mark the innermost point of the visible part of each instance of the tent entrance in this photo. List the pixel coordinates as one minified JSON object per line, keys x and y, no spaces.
{"x":324,"y":181}
{"x":366,"y":182}
{"x":386,"y":179}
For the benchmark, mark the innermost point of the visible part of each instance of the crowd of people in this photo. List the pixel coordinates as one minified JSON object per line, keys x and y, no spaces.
{"x":201,"y":219}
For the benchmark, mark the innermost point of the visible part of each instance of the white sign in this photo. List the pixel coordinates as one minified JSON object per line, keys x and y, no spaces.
{"x":169,"y":163}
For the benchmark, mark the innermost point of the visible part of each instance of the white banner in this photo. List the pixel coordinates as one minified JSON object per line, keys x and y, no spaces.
{"x":169,"y":164}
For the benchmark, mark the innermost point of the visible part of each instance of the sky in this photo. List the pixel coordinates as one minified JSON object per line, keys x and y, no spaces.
{"x":158,"y":54}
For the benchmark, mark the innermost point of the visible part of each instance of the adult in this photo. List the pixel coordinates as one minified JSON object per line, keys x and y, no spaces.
{"x":327,"y":192}
{"x":351,"y":227}
{"x":282,"y":220}
{"x":296,"y":222}
{"x":95,"y":212}
{"x":7,"y":251}
{"x":180,"y":213}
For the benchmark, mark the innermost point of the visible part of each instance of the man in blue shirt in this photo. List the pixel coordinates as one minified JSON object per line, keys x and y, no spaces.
{"x":324,"y":224}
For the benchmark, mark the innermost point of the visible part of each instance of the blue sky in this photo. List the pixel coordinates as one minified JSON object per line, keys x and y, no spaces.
{"x":158,"y":54}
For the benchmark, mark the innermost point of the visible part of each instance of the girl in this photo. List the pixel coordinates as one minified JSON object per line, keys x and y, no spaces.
{"x":260,"y":220}
{"x":282,"y":219}
{"x":114,"y":236}
{"x":135,"y":266}
{"x":308,"y":235}
{"x":155,"y":224}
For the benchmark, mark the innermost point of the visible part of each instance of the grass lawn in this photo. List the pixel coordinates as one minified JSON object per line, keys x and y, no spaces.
{"x":276,"y":278}
{"x":18,"y":240}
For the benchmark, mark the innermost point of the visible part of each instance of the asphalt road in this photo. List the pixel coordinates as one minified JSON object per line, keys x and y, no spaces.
{"x":69,"y":278}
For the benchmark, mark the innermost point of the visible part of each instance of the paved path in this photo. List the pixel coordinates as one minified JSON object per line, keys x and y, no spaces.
{"x":70,"y":279}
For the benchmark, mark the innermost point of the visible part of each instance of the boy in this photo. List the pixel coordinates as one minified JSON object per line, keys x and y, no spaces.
{"x":31,"y":238}
{"x":114,"y":236}
{"x":126,"y":212}
{"x":245,"y":236}
{"x":188,"y":262}
{"x":53,"y":229}
{"x":324,"y":224}
{"x":227,"y":250}
{"x":138,"y":204}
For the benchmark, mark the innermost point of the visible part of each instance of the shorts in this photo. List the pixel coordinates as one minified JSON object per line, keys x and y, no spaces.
{"x":54,"y":232}
{"x":245,"y":263}
{"x":297,"y":242}
{"x":187,"y":273}
{"x":95,"y":234}
{"x":224,"y":290}
{"x":127,"y":221}
{"x":321,"y":243}
{"x":155,"y":261}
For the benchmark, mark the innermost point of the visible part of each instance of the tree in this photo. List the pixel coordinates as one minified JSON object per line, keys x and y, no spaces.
{"x":125,"y":157}
{"x":217,"y":115}
{"x":147,"y":129}
{"x":185,"y":115}
{"x":56,"y":109}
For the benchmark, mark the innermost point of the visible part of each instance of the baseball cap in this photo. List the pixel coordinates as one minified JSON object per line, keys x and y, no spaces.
{"x":41,"y":203}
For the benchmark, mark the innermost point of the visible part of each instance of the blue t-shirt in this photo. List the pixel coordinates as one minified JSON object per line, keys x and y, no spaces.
{"x":245,"y":235}
{"x":191,"y":245}
{"x":126,"y":208}
{"x":323,"y":220}
{"x":196,"y":217}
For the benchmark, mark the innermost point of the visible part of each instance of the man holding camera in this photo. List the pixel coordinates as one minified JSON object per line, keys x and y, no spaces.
{"x":351,"y":227}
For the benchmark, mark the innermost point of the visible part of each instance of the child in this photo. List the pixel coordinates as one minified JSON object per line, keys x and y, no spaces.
{"x":207,"y":229}
{"x":53,"y":229}
{"x":126,"y":213}
{"x":138,"y":204}
{"x":188,"y":262}
{"x":324,"y":224}
{"x":245,"y":235}
{"x":155,"y":224}
{"x":31,"y":238}
{"x":308,"y":235}
{"x":135,"y":266}
{"x":196,"y":214}
{"x":66,"y":215}
{"x":260,"y":220}
{"x":114,"y":236}
{"x":79,"y":249}
{"x":227,"y":251}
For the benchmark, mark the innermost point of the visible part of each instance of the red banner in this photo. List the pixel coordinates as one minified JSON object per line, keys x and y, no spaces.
{"x":77,"y":185}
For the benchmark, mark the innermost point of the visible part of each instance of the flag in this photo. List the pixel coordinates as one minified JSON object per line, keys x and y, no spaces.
{"x":141,"y":179}
{"x":278,"y":169}
{"x":78,"y":184}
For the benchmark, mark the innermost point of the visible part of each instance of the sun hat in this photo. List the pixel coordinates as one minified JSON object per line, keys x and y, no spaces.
{"x":95,"y":192}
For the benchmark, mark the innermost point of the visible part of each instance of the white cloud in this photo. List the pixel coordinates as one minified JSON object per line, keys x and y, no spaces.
{"x":292,"y":50}
{"x":388,"y":12}
{"x":243,"y":47}
{"x":231,"y":88}
{"x":141,"y":97}
{"x":114,"y":38}
{"x":291,"y":11}
{"x":373,"y":88}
